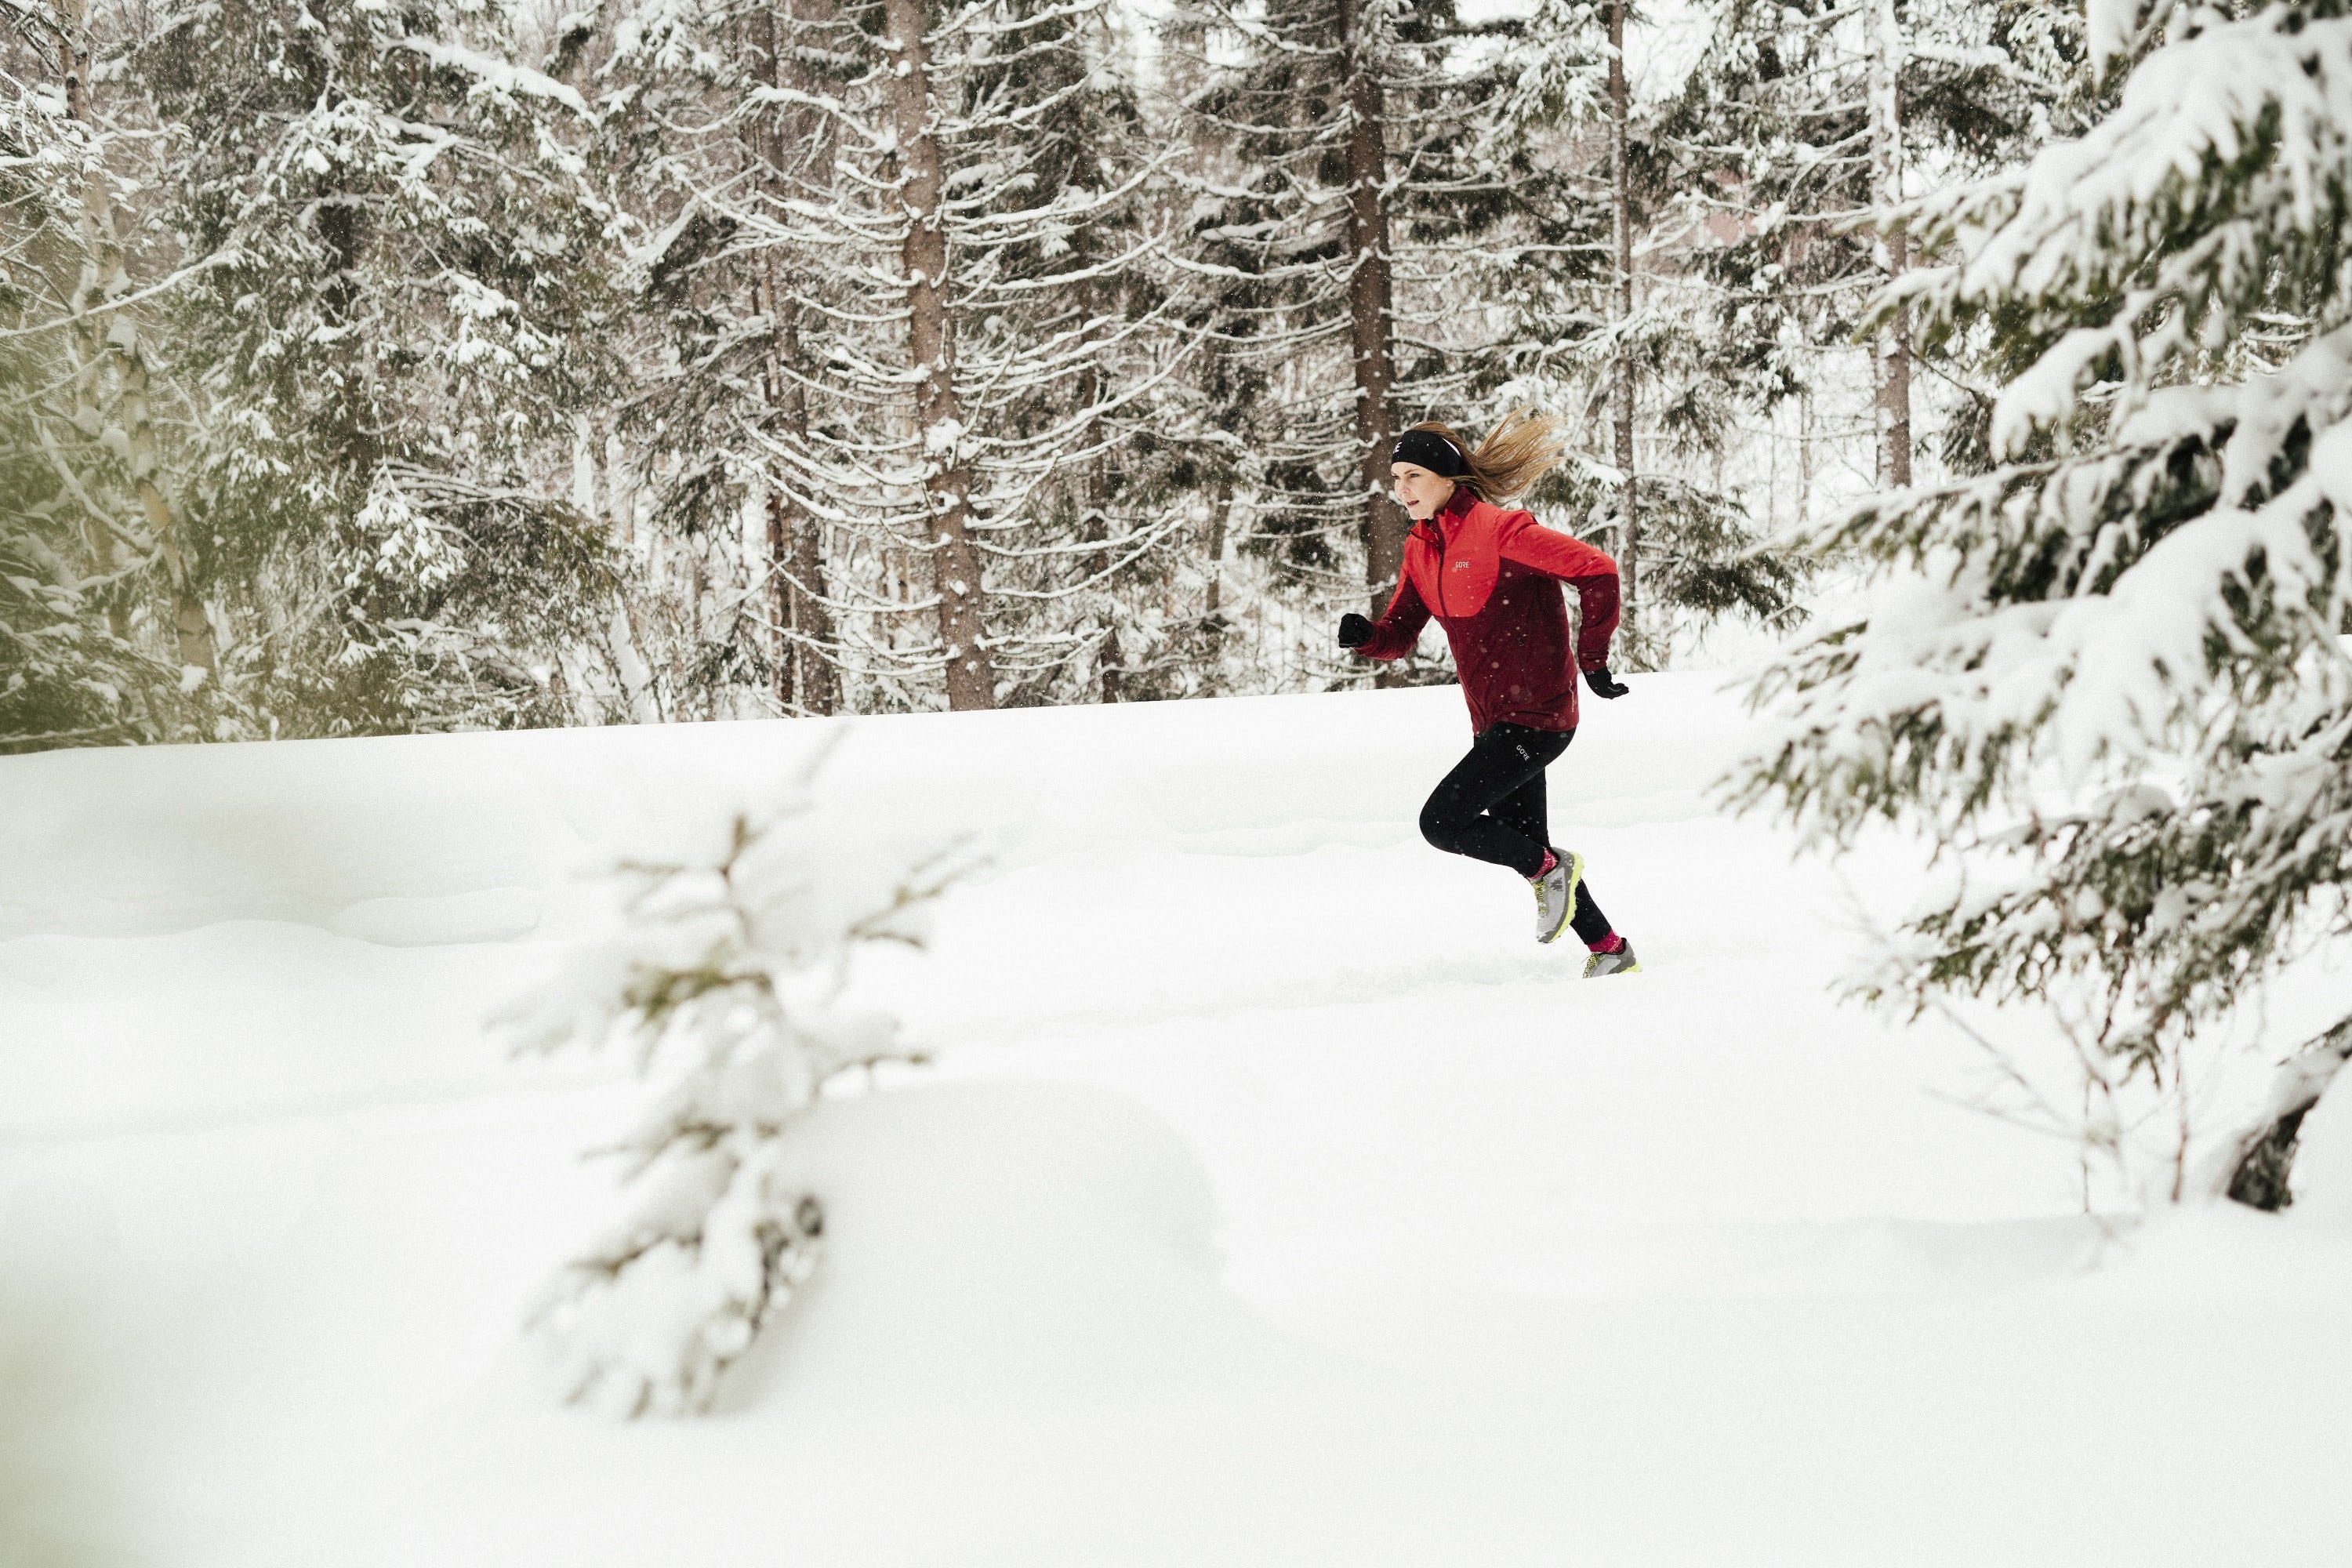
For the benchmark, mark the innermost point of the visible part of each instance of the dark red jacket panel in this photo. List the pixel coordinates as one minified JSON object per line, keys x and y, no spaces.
{"x":1492,"y":579}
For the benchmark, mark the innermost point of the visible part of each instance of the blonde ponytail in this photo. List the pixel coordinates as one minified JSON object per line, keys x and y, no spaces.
{"x":1519,"y":451}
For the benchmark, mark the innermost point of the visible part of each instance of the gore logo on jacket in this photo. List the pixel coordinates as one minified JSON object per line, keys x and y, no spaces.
{"x":1492,"y":579}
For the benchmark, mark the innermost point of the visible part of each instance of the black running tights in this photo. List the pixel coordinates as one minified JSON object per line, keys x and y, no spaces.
{"x":1491,"y":807}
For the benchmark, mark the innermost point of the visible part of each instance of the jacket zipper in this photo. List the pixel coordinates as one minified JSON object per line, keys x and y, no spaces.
{"x":1436,"y":528}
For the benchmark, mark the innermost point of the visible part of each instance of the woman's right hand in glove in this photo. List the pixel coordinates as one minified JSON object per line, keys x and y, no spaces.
{"x":1355,"y":631}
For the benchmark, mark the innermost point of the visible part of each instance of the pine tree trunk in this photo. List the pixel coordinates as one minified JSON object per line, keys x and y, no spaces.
{"x":1094,"y":499}
{"x":816,"y":684}
{"x":1892,"y":356}
{"x":931,"y":343}
{"x":74,"y":47}
{"x":1221,"y":501}
{"x":1371,"y":322}
{"x":1114,"y":657}
{"x":1620,"y":206}
{"x":806,"y":681}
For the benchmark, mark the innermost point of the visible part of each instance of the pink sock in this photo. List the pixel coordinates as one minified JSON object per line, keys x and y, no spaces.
{"x":1551,"y":862}
{"x":1609,"y":943}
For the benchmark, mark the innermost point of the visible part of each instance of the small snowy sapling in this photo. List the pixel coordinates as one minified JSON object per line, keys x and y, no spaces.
{"x":727,"y":978}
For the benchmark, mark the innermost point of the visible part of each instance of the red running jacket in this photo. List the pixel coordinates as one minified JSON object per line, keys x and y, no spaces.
{"x":1491,"y":577}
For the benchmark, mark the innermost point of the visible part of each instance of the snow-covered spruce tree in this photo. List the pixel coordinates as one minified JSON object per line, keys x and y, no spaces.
{"x":918,"y":313}
{"x":1355,"y":184}
{"x":1599,"y":310}
{"x":709,"y":130}
{"x":2146,"y":596}
{"x":1799,"y":122}
{"x":103,"y":633}
{"x":1090,"y":592}
{"x":387,"y":360}
{"x":726,"y":979}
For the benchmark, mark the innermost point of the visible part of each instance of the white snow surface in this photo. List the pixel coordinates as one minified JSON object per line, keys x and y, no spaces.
{"x":1272,"y":1199}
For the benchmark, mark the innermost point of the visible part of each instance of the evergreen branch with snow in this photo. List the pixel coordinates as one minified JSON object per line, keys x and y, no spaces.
{"x":2111,"y":669}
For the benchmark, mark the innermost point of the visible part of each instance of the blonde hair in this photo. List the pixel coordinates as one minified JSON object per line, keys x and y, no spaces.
{"x":1522,"y":448}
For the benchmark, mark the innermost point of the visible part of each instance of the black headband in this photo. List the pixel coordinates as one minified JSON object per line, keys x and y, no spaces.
{"x":1428,"y":450}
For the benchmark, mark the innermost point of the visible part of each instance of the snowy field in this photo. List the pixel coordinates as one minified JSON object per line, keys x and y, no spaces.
{"x":1273,"y":1200}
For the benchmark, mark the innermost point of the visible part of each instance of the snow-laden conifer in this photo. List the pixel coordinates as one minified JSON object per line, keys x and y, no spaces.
{"x":726,"y":980}
{"x":1592,"y":301}
{"x":1357,"y":202}
{"x":387,"y":354}
{"x":104,"y":631}
{"x":1796,"y":124}
{"x":911,"y":262}
{"x":2115,"y":661}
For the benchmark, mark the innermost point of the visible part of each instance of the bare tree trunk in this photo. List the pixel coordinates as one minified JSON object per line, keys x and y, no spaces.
{"x":931,"y":343}
{"x":1114,"y":667}
{"x":1094,"y":501}
{"x":1893,"y":348}
{"x":817,"y":683}
{"x":1620,"y":206}
{"x":1371,"y":323}
{"x":806,"y":681}
{"x":88,"y":341}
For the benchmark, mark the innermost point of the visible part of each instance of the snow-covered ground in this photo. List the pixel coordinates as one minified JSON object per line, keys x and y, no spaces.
{"x":1272,"y":1199}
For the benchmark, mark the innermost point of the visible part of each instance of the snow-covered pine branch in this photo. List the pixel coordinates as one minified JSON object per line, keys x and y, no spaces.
{"x":2115,"y":661}
{"x":727,"y":981}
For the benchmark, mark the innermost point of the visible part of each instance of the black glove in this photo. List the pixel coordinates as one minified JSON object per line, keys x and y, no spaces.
{"x":1354,"y":631}
{"x":1603,"y":684}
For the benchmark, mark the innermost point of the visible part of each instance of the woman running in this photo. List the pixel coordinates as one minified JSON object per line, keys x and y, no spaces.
{"x":1492,"y":577}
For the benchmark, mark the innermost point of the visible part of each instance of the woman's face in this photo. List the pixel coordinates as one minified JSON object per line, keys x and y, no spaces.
{"x":1419,"y":491}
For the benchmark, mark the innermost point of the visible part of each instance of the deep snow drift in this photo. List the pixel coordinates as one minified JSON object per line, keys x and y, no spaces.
{"x":1273,"y":1200}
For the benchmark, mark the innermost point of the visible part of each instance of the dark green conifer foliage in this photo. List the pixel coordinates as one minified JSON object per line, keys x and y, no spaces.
{"x":407,"y":301}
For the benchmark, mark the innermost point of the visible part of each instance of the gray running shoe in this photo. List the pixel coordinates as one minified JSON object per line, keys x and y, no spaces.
{"x":1621,"y":962}
{"x":1556,"y":894}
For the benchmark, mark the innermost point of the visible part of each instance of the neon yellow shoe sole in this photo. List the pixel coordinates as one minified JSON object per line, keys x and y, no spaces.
{"x":1601,"y":965}
{"x":1573,"y":863}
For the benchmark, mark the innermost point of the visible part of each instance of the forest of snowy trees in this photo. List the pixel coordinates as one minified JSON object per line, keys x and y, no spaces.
{"x":381,"y":366}
{"x":378,"y":367}
{"x":385,"y":367}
